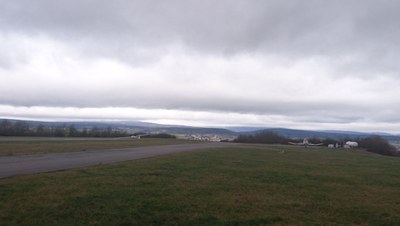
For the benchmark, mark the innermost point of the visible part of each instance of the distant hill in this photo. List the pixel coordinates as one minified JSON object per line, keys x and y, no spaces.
{"x":197,"y":130}
{"x":131,"y":125}
{"x":244,"y":129}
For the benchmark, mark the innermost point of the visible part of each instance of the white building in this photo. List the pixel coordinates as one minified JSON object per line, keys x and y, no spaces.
{"x":350,"y":144}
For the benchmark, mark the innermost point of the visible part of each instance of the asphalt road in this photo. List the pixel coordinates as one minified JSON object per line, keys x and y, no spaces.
{"x":40,"y":163}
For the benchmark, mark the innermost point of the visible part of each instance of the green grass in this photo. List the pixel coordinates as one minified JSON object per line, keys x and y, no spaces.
{"x":260,"y":185}
{"x":24,"y":146}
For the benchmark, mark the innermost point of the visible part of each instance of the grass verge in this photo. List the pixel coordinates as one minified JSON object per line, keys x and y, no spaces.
{"x":24,"y":146}
{"x":263,"y":185}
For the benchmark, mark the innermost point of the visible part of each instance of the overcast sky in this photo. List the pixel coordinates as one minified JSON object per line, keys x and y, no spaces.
{"x":298,"y":64}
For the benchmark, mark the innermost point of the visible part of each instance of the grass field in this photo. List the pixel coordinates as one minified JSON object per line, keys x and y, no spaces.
{"x":260,"y":185}
{"x":23,"y":146}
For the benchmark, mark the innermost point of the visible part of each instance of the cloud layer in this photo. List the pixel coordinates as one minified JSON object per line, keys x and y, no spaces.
{"x":313,"y":64}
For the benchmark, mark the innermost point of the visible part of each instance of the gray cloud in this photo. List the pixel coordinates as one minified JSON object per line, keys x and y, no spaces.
{"x":282,"y":27}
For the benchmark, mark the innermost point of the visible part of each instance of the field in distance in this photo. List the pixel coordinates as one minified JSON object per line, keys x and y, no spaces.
{"x":252,"y":185}
{"x":31,"y":145}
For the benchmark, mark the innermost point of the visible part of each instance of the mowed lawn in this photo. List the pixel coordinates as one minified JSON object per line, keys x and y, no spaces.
{"x":23,"y":146}
{"x":254,"y":185}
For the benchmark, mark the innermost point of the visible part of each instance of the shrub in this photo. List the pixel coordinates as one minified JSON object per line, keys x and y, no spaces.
{"x":378,"y":145}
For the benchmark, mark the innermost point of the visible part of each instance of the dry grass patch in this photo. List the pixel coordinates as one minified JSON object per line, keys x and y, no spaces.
{"x":15,"y":146}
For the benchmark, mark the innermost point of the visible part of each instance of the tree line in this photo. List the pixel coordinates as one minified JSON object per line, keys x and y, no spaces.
{"x":372,"y":143}
{"x":263,"y":137}
{"x":23,"y":128}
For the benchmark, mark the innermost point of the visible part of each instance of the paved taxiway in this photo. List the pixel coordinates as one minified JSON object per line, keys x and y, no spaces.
{"x":40,"y":163}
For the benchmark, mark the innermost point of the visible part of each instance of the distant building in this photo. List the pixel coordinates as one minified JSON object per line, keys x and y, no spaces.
{"x":331,"y":145}
{"x":351,"y":144}
{"x":215,"y":138}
